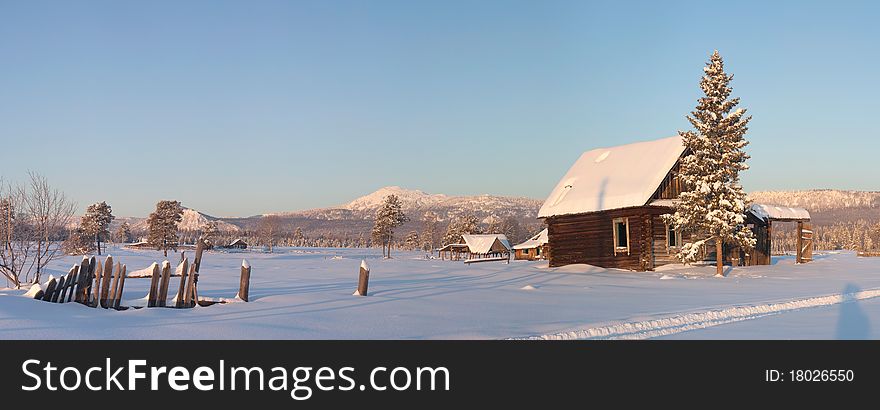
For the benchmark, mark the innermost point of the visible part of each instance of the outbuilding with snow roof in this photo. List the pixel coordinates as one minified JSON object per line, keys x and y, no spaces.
{"x":534,"y":248}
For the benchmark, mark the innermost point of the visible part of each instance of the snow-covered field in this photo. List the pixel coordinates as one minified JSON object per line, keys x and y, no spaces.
{"x":307,"y":294}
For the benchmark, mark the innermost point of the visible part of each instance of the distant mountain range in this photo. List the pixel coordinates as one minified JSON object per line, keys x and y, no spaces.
{"x":354,"y":219}
{"x":191,"y":220}
{"x":416,"y":203}
{"x":826,"y":206}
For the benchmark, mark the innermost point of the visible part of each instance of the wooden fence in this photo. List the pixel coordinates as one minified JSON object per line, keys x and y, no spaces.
{"x":96,"y":284}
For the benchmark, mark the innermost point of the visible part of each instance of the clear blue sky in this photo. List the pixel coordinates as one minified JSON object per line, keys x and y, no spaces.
{"x":243,"y":107}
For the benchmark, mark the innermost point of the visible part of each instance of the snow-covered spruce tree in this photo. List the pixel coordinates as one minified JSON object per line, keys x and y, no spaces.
{"x":712,"y":205}
{"x":96,"y":221}
{"x":412,"y":240}
{"x":388,"y":217}
{"x":461,"y":225}
{"x":210,"y":233}
{"x":299,"y":239}
{"x":429,"y":230}
{"x":162,"y":225}
{"x":78,"y":243}
{"x":123,"y":233}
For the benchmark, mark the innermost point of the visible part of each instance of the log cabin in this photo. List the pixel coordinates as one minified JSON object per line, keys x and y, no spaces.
{"x":237,"y":244}
{"x":607,"y":211}
{"x":535,"y":248}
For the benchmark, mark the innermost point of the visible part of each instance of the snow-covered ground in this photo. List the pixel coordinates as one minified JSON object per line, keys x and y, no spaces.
{"x":307,"y":294}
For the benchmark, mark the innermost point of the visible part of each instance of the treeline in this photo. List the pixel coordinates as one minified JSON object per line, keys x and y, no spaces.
{"x":858,"y":235}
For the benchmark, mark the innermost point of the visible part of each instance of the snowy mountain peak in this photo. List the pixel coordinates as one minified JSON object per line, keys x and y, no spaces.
{"x":409,"y":198}
{"x":191,"y":220}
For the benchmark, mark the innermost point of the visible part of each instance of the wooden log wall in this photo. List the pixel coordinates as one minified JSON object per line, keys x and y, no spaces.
{"x":589,"y":238}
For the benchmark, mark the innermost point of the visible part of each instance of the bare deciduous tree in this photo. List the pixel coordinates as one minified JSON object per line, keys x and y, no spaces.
{"x":269,"y":230}
{"x":35,"y":217}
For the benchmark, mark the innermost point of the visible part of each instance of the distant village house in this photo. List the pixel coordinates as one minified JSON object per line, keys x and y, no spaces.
{"x":534,"y":248}
{"x":478,"y":247}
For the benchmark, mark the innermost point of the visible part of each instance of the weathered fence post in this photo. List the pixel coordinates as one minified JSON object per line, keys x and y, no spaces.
{"x":50,"y":290}
{"x":68,"y":285}
{"x":200,"y":249}
{"x":363,"y":279}
{"x":105,"y":281}
{"x":58,"y":288}
{"x":111,"y":298}
{"x":163,"y":284}
{"x":154,"y":286}
{"x":245,"y":283}
{"x":184,"y":270}
{"x":83,"y":268}
{"x":91,"y":297}
{"x":188,"y":290}
{"x":117,"y":300}
{"x":73,"y":285}
{"x":99,"y":276}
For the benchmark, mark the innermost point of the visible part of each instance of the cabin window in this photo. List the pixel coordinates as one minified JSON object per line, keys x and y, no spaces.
{"x":621,"y":235}
{"x":538,"y":251}
{"x":525,"y":252}
{"x":673,"y":237}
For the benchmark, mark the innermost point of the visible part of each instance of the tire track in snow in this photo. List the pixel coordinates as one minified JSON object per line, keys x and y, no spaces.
{"x":699,"y":320}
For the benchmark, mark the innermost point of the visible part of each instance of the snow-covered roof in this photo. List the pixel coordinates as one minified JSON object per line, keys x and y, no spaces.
{"x":486,"y":243}
{"x":237,"y":241}
{"x":534,"y":242}
{"x":768,"y":212}
{"x":663,"y":202}
{"x":615,"y":177}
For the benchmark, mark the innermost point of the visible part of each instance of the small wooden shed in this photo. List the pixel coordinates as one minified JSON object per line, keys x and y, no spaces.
{"x":477,"y":246}
{"x":238,"y":244}
{"x":534,"y":248}
{"x":760,"y":218}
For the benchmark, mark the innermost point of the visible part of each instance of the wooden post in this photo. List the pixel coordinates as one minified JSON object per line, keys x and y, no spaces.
{"x":800,"y":243}
{"x":49,"y":291}
{"x":188,"y":291}
{"x":80,"y":280}
{"x":163,"y":284}
{"x":154,"y":286}
{"x":91,"y":266}
{"x":807,"y":237}
{"x":245,"y":283}
{"x":182,"y":286}
{"x":363,"y":279}
{"x":111,"y":298}
{"x":68,"y":290}
{"x":99,"y":277}
{"x":67,"y":282}
{"x":200,"y":249}
{"x":117,"y":300}
{"x":58,"y":287}
{"x":73,"y":285}
{"x":105,"y":281}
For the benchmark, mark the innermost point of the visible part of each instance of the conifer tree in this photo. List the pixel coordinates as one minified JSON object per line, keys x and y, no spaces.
{"x":388,"y":217}
{"x":162,"y":225}
{"x":123,"y":233}
{"x":96,"y":222}
{"x":461,"y":225}
{"x":429,"y":230}
{"x":712,"y":205}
